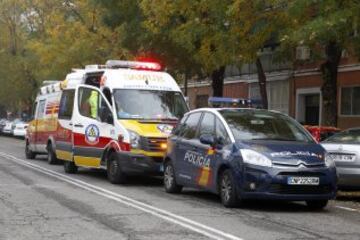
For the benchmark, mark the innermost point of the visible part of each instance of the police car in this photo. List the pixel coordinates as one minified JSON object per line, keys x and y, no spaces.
{"x":248,"y":154}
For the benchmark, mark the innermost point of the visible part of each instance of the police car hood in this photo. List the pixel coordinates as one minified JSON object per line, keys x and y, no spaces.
{"x":287,"y":153}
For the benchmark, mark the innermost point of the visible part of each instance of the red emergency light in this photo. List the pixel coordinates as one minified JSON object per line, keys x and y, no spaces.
{"x":149,"y":66}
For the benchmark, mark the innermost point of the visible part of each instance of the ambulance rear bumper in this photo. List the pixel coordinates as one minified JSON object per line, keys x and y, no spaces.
{"x":140,"y":164}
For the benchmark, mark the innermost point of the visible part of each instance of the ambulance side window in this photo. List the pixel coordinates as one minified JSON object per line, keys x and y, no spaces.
{"x":107,"y":94}
{"x":88,"y":102}
{"x":221,"y":133}
{"x":41,"y":110}
{"x":66,"y":104}
{"x":207,"y":126}
{"x":33,"y":114}
{"x":191,"y":125}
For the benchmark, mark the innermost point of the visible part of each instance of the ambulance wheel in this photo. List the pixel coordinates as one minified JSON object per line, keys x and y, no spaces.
{"x":227,"y":189}
{"x":28,"y":153}
{"x":114,"y":171}
{"x":169,"y":179}
{"x":51,"y":155}
{"x":316,"y":204}
{"x":70,"y":167}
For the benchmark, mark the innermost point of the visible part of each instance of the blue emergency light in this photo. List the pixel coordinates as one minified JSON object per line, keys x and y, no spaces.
{"x":234,"y":102}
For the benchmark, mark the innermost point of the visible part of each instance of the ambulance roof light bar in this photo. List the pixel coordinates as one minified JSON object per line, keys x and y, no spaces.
{"x":150,"y":66}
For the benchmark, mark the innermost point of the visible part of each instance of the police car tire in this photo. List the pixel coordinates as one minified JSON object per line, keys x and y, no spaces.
{"x":227,"y":189}
{"x":316,"y":204}
{"x":170,"y":184}
{"x":51,"y":155}
{"x":115,"y":176}
{"x":70,"y":167}
{"x":28,"y":153}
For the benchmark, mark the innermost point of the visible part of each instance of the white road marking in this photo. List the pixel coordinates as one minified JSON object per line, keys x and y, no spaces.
{"x":347,"y":209}
{"x":163,"y":214}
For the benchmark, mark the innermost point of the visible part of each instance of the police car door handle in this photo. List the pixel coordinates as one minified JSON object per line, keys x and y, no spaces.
{"x":79,"y":125}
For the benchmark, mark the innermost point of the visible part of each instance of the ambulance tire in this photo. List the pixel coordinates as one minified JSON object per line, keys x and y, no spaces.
{"x":114,"y":171}
{"x":28,"y":153}
{"x":169,"y":179}
{"x":227,"y":189}
{"x":316,"y":204}
{"x":51,"y":155}
{"x":70,"y":167}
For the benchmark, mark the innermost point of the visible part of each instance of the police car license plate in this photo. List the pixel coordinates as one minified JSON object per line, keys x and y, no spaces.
{"x":303,"y":180}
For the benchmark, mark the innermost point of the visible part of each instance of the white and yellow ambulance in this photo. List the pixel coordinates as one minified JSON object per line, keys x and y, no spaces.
{"x":117,"y":117}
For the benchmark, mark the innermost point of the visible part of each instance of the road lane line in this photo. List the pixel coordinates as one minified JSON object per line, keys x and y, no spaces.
{"x":163,"y":214}
{"x":347,"y":209}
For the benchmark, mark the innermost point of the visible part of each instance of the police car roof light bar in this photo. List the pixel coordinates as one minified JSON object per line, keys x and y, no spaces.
{"x":152,"y":66}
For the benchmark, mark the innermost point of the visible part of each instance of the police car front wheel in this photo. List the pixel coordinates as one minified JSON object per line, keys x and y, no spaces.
{"x":169,"y":179}
{"x":228,"y":193}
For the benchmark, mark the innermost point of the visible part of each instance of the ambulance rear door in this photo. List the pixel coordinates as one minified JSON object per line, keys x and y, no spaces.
{"x":93,"y":126}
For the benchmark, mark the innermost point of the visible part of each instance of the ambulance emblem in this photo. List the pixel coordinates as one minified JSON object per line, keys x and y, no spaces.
{"x":92,"y":134}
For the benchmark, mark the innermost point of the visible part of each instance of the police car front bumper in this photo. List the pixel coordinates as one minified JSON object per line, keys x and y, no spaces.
{"x":140,"y":164}
{"x":272,"y":183}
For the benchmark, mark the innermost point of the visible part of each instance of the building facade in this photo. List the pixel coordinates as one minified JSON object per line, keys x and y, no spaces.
{"x":294,"y":92}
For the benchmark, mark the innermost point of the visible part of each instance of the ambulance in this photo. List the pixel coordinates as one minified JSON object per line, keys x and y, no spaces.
{"x":42,"y":128}
{"x":117,"y":117}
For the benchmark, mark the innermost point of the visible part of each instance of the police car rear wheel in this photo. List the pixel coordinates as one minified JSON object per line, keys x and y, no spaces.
{"x":316,"y":204}
{"x":28,"y":153}
{"x":169,"y":179}
{"x":228,"y":192}
{"x":114,"y":171}
{"x":70,"y":167}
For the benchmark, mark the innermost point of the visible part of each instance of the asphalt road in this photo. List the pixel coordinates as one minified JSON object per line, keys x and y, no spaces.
{"x":38,"y":201}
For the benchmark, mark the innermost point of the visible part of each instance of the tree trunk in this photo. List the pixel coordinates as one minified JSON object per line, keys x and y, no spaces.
{"x":217,"y":77}
{"x":186,"y":75}
{"x":329,"y":70}
{"x":262,"y":83}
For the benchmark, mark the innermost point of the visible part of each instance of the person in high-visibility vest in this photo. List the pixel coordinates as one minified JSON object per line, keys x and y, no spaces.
{"x":93,"y":103}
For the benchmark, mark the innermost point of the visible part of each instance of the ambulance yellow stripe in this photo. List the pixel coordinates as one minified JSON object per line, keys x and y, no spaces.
{"x":64,"y":155}
{"x":87,"y":161}
{"x":149,"y":154}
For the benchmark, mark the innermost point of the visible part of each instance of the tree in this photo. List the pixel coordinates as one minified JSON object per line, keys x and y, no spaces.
{"x":254,"y":25}
{"x":200,"y":28}
{"x":327,"y":27}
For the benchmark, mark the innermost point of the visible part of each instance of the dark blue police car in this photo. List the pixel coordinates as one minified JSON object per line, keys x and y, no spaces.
{"x":248,"y":154}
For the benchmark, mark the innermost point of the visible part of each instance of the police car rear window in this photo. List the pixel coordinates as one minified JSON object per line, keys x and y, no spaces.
{"x":248,"y":124}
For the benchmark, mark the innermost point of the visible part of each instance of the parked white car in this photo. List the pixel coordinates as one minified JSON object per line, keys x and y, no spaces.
{"x":8,"y":128}
{"x":20,"y":129}
{"x":344,"y":148}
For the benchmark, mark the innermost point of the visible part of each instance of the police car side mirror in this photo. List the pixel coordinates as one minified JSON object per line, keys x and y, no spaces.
{"x":207,"y":139}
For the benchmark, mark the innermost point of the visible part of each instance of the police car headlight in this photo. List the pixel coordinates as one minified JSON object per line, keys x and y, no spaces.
{"x":329,"y":161}
{"x":255,"y":158}
{"x":134,"y":139}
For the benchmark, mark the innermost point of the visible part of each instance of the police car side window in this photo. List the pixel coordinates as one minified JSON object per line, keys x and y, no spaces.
{"x":66,"y":104}
{"x":207,"y":126}
{"x":191,"y":124}
{"x":221,"y":133}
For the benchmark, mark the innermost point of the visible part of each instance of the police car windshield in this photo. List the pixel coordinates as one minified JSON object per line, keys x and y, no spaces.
{"x":247,"y":124}
{"x":149,"y":104}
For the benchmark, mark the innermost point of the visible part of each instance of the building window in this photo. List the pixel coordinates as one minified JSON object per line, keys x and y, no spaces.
{"x":277,"y":93}
{"x":202,"y":101}
{"x":350,"y":101}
